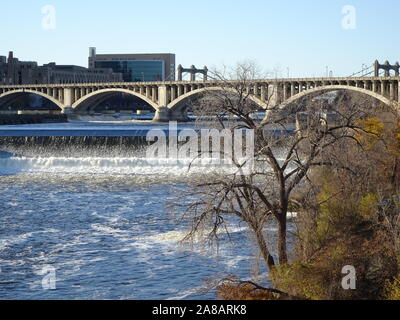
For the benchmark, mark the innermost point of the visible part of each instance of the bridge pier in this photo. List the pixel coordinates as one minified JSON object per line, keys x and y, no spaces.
{"x":165,"y":114}
{"x":162,"y":115}
{"x":68,"y":110}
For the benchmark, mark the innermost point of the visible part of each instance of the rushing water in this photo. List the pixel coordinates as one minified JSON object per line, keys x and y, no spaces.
{"x":101,"y":221}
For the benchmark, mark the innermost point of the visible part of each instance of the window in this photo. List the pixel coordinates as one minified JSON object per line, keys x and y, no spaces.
{"x":135,"y":71}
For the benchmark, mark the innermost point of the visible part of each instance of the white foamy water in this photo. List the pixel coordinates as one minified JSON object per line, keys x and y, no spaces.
{"x":94,"y":165}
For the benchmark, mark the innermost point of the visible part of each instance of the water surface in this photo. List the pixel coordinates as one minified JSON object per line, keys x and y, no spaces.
{"x":103,"y":224}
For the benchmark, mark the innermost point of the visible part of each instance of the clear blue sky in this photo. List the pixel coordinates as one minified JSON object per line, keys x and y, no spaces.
{"x":305,"y":36}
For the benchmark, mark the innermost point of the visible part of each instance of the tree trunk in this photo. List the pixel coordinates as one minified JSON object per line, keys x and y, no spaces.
{"x":269,"y":260}
{"x":282,"y":246}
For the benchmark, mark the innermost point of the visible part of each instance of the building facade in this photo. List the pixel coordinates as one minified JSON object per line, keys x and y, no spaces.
{"x":15,"y":72}
{"x":136,"y":67}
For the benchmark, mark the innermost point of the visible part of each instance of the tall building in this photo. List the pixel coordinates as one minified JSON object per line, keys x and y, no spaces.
{"x":15,"y":72}
{"x":136,"y":67}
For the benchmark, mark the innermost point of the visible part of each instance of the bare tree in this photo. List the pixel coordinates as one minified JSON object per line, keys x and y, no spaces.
{"x":289,"y":143}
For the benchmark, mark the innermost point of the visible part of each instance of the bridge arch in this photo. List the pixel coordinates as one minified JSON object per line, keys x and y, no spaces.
{"x":303,"y":94}
{"x":101,"y":98}
{"x":178,"y":103}
{"x":4,"y":95}
{"x":106,"y":92}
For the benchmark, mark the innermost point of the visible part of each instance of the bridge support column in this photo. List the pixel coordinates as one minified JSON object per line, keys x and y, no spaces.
{"x":285,"y":91}
{"x":391,"y":90}
{"x":383,"y":91}
{"x":62,"y":96}
{"x":154,"y":94}
{"x":263,"y":92}
{"x":69,"y":96}
{"x":272,"y":95}
{"x":77,"y":94}
{"x":162,"y":96}
{"x":255,"y":90}
{"x":173,"y":93}
{"x":162,"y":115}
{"x":69,"y":99}
{"x":148,"y":92}
{"x":68,"y":110}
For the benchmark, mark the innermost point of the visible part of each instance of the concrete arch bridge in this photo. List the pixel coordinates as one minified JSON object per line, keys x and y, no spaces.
{"x":169,"y":99}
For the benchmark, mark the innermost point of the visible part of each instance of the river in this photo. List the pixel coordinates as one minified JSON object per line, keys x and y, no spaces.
{"x":98,"y":223}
